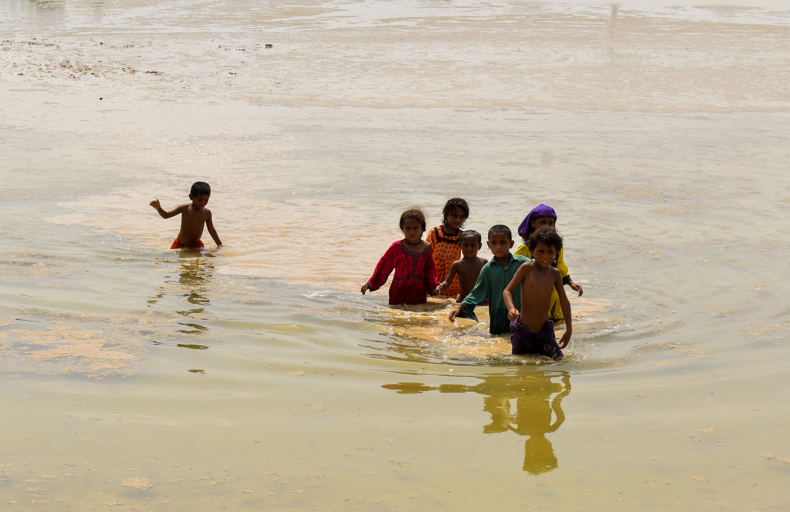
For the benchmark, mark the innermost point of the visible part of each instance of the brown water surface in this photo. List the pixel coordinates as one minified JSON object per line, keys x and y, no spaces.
{"x":256,"y":377}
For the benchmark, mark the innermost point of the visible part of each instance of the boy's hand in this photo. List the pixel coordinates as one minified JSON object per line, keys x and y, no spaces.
{"x":513,"y":314}
{"x":454,"y":313}
{"x":576,"y":287}
{"x":566,"y":337}
{"x":365,"y":288}
{"x":155,"y":204}
{"x":437,"y":290}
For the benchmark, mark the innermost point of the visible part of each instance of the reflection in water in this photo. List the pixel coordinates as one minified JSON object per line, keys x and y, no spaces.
{"x":194,"y":279}
{"x":193,"y":284}
{"x":537,"y":393}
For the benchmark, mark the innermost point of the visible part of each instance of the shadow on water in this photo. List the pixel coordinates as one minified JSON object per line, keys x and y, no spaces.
{"x":528,"y":404}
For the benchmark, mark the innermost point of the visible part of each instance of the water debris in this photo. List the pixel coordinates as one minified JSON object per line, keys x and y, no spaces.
{"x":711,"y":429}
{"x":318,"y":408}
{"x":249,"y":491}
{"x":699,"y":478}
{"x":663,"y":363}
{"x":771,"y":456}
{"x":297,"y":373}
{"x":137,"y":483}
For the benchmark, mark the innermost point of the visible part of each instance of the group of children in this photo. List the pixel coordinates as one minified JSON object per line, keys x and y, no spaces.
{"x":524,"y":290}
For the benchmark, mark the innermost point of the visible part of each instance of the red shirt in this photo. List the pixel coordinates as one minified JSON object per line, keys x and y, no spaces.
{"x":415,"y":274}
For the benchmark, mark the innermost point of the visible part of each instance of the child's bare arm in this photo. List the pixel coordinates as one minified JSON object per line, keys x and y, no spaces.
{"x":165,"y":214}
{"x":449,"y":279}
{"x":211,"y":230}
{"x":512,"y":312}
{"x":565,"y":304}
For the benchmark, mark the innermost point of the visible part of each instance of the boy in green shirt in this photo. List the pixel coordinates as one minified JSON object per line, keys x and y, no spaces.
{"x":494,"y":277}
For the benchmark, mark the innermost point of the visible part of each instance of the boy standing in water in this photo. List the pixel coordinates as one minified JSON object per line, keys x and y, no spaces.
{"x":494,"y":277}
{"x":194,"y":216}
{"x":467,"y":269}
{"x":532,"y":331}
{"x":445,"y":239}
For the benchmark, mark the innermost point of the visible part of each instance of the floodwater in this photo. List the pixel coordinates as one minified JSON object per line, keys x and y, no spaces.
{"x":256,"y":377}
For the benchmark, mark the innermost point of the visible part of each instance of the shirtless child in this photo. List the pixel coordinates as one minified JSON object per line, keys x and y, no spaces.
{"x":532,"y":331}
{"x":467,"y":268}
{"x":194,"y":216}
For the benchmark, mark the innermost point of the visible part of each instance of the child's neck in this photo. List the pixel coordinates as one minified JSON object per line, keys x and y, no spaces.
{"x":449,"y":229}
{"x":504,"y":260}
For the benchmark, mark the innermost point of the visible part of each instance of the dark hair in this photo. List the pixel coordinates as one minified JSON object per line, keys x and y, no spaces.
{"x":452,"y":204}
{"x":200,"y":188}
{"x":471,"y":233}
{"x":413,"y":212}
{"x":547,"y":237}
{"x":500,"y":228}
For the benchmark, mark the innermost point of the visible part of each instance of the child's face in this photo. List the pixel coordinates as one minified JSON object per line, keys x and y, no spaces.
{"x":500,"y":244}
{"x":543,"y":222}
{"x":199,"y":202}
{"x":544,"y":255}
{"x":470,"y":246}
{"x":412,"y":230}
{"x":456,"y":218}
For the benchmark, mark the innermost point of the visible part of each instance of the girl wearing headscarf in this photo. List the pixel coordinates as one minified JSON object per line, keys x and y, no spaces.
{"x":544,"y":216}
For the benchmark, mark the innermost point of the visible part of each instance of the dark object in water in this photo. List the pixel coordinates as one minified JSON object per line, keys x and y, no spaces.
{"x":269,"y":45}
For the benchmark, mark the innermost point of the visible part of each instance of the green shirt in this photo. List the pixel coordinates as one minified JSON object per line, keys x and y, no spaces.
{"x":491,"y":282}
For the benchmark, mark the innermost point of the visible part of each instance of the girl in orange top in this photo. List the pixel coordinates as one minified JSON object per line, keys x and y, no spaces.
{"x":445,"y":241}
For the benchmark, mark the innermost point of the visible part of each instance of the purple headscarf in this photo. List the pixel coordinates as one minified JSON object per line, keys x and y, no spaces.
{"x":541,"y":210}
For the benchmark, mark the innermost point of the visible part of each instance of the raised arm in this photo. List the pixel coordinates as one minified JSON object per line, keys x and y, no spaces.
{"x":211,"y":230}
{"x":507,"y":295}
{"x":565,"y":304}
{"x":165,"y":214}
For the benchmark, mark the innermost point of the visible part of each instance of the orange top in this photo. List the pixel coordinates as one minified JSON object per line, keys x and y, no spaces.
{"x":446,"y":250}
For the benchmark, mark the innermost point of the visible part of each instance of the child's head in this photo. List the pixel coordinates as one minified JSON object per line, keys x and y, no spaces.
{"x":500,"y":240}
{"x":199,"y":194}
{"x":545,"y":244}
{"x":470,"y":242}
{"x":412,"y":223}
{"x":542,"y":216}
{"x":455,"y":212}
{"x":200,"y":188}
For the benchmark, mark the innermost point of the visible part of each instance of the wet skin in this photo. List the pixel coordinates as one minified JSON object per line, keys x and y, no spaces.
{"x":538,"y":279}
{"x":467,"y":268}
{"x":194,"y":216}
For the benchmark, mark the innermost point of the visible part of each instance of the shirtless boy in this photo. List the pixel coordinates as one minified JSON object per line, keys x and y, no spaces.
{"x":532,"y":331}
{"x":194,"y":216}
{"x":467,"y":268}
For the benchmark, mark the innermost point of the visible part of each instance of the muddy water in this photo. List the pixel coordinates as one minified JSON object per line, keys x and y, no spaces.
{"x":256,"y":376}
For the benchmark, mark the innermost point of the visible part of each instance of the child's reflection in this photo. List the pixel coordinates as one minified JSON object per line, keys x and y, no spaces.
{"x":538,"y":400}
